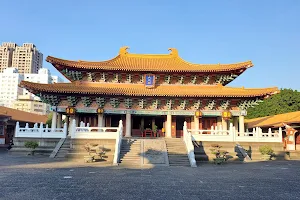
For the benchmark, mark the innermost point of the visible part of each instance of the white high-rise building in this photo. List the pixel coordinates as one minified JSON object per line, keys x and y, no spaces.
{"x":57,"y":79}
{"x":27,"y":58}
{"x":6,"y":55}
{"x":9,"y":86}
{"x":11,"y":95}
{"x":43,"y":76}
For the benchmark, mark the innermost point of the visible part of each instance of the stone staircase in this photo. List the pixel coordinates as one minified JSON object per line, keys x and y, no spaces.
{"x":177,"y":153}
{"x":130,"y":153}
{"x":64,"y":149}
{"x":203,"y":152}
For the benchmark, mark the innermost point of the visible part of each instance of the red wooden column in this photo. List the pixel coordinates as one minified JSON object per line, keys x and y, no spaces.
{"x":173,"y":127}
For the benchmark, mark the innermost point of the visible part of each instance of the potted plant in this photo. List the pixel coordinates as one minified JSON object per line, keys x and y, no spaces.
{"x":155,"y":130}
{"x":31,"y":145}
{"x":266,"y":152}
{"x":221,"y":155}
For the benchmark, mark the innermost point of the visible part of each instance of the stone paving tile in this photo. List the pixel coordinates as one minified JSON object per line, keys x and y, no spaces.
{"x":42,"y":178}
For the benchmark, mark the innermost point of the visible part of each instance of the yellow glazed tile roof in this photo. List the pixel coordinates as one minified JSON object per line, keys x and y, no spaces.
{"x":275,"y":120}
{"x":147,"y":62}
{"x":140,"y":90}
{"x":18,"y":115}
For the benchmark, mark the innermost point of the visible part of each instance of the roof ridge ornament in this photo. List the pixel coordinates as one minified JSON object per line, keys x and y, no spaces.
{"x":123,"y":50}
{"x":174,"y":52}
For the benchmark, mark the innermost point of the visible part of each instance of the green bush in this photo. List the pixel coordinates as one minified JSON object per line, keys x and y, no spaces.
{"x":31,"y":144}
{"x":266,"y":150}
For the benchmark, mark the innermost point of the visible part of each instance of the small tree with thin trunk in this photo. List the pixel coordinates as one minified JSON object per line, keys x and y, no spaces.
{"x":31,"y":145}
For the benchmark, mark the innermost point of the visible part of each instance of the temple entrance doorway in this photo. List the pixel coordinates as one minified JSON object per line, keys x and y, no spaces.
{"x":148,"y":126}
{"x":179,"y":126}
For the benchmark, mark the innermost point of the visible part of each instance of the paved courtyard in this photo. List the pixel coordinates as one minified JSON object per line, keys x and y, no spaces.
{"x":27,"y":177}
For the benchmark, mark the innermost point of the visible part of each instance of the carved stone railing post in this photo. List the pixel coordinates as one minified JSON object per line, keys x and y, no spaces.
{"x":65,"y":130}
{"x":41,"y":129}
{"x":17,"y":129}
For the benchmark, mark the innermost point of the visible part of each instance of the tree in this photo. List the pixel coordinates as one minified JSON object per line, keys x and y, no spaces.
{"x":287,"y":100}
{"x":49,"y":120}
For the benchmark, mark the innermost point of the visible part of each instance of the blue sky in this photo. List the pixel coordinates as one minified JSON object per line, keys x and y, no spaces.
{"x":266,"y":32}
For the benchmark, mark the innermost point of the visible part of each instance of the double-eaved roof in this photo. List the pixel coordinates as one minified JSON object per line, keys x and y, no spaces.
{"x":144,"y":63}
{"x":147,"y":63}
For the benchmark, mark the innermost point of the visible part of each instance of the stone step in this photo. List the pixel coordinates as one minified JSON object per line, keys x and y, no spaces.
{"x":180,"y":165}
{"x":131,"y":144}
{"x":180,"y":161}
{"x":132,"y":154}
{"x":131,"y":160}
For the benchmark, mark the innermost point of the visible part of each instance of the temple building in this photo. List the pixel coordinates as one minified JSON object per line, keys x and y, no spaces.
{"x":149,"y":92}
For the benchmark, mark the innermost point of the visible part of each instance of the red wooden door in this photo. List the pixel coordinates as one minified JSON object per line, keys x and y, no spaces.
{"x":188,"y":122}
{"x":207,"y":122}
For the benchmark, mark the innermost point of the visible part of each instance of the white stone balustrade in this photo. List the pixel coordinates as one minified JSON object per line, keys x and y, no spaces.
{"x":231,"y":135}
{"x":40,"y":131}
{"x":84,"y":131}
{"x":118,"y":144}
{"x":187,"y":137}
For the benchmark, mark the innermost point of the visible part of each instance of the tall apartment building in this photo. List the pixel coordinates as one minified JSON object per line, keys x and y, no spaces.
{"x":27,"y":58}
{"x":11,"y":95}
{"x":9,"y":86}
{"x":30,"y":104}
{"x":6,"y":55}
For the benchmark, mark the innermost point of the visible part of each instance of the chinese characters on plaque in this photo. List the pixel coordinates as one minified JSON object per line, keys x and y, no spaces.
{"x":149,"y":80}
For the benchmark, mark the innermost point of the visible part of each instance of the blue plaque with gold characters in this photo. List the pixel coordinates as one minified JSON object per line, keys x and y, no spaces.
{"x":149,"y":80}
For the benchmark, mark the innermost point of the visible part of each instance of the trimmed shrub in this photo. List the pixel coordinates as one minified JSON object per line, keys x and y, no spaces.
{"x":31,"y":144}
{"x":266,"y":150}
